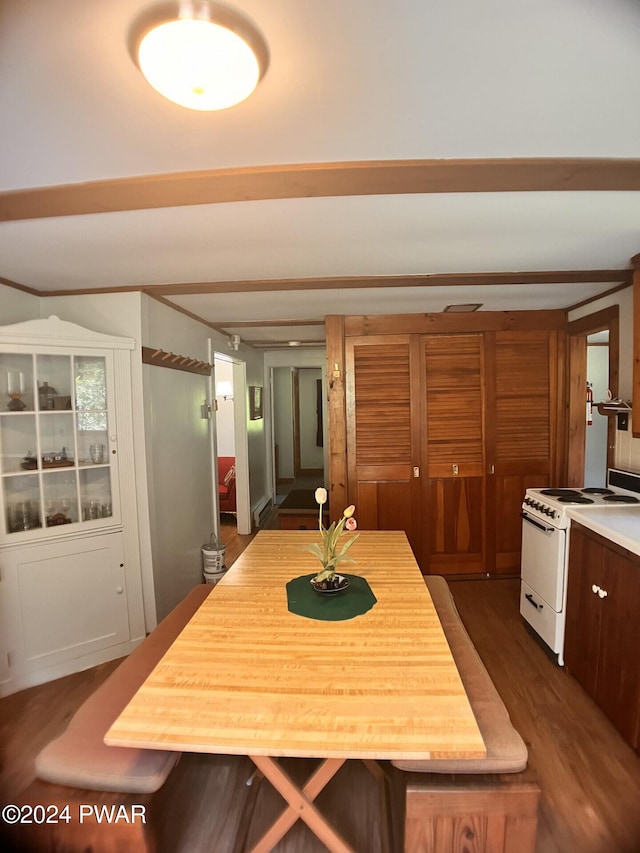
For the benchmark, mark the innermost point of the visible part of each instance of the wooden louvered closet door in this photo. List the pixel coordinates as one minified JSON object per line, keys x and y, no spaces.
{"x":520,"y":402}
{"x":383,"y":433}
{"x":453,"y":451}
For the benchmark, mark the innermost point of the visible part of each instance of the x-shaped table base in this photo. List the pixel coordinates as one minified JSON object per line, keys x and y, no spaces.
{"x":300,"y":804}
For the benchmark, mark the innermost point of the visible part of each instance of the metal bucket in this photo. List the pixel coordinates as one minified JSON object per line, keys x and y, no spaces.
{"x":213,"y":557}
{"x":214,"y":577}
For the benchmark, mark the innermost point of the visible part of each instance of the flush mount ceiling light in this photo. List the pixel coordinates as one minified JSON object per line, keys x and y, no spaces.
{"x":200,"y":54}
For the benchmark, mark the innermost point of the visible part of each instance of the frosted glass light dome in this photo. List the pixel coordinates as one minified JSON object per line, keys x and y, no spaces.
{"x":209,"y":60}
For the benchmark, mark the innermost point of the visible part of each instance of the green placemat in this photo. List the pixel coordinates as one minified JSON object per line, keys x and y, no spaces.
{"x":303,"y":600}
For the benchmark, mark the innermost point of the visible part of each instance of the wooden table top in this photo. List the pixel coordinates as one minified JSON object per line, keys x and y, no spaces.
{"x":247,"y":677}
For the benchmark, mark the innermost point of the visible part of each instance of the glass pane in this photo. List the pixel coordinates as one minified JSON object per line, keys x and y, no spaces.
{"x":60,"y":497}
{"x":91,"y":391}
{"x":18,"y":443}
{"x":95,"y":493}
{"x":53,"y":373}
{"x":92,"y":445}
{"x":16,"y":382}
{"x":22,"y":504}
{"x":56,"y":440}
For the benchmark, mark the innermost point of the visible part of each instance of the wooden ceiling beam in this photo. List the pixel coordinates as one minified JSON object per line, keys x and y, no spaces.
{"x":316,"y":180}
{"x":254,"y":324}
{"x":430,"y":280}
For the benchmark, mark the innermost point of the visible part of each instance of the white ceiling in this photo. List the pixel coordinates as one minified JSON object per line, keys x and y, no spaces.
{"x":355,"y":81}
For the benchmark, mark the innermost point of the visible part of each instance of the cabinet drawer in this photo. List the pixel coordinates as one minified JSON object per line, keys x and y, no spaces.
{"x":542,"y":618}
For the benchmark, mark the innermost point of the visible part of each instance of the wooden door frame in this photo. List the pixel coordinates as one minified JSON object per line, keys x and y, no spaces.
{"x":299,"y":470}
{"x":577,"y":333}
{"x":295,"y":411}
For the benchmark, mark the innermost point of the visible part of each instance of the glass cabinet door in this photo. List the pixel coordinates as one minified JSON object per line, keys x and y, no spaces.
{"x":55,"y":463}
{"x":92,"y":431}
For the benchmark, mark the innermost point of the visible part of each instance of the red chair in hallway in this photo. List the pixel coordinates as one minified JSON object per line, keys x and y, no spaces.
{"x":227,"y":483}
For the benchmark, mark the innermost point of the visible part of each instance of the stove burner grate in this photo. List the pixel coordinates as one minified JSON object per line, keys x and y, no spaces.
{"x":560,"y":493}
{"x":620,"y":499}
{"x":578,"y":499}
{"x":596,"y":490}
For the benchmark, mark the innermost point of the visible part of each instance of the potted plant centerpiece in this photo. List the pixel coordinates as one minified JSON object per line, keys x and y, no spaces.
{"x":332,"y":552}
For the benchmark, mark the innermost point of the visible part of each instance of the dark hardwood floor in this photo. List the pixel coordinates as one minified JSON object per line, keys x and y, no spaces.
{"x":590,"y":778}
{"x":234,"y":542}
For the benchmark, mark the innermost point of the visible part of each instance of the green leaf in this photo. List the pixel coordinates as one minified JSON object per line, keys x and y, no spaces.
{"x":348,"y":545}
{"x":316,"y":550}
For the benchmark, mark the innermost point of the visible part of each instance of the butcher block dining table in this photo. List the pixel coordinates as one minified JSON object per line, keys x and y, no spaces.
{"x":250,"y":676}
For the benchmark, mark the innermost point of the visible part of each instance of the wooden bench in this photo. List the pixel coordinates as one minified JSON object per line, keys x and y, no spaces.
{"x":77,"y":768}
{"x":487,"y":805}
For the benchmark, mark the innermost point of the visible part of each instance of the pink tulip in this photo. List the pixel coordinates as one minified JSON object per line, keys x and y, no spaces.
{"x":351,"y":524}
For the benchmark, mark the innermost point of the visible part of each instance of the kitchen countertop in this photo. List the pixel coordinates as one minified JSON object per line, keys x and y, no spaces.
{"x":619,"y":524}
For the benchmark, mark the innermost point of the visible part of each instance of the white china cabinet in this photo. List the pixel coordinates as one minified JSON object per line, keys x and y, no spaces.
{"x":70,"y":589}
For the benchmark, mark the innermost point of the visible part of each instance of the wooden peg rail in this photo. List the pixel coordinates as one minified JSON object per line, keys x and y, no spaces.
{"x":176,"y":362}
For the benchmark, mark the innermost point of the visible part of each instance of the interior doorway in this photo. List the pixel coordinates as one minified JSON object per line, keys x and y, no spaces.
{"x":597,"y":430}
{"x":589,"y":452}
{"x":298,"y":430}
{"x":308,"y":433}
{"x":230,"y":444}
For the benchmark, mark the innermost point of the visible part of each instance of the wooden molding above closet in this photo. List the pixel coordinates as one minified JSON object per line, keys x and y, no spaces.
{"x":481,"y":321}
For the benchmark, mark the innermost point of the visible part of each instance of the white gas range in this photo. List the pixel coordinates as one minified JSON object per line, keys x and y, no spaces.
{"x":545,"y":544}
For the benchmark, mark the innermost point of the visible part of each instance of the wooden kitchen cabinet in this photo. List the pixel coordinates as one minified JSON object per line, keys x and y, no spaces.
{"x":602,"y":634}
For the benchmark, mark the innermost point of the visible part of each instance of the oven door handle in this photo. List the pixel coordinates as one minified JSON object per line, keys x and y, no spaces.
{"x":537,"y":524}
{"x":532,"y":602}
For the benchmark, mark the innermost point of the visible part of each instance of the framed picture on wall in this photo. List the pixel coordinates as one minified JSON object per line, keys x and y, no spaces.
{"x":255,"y":402}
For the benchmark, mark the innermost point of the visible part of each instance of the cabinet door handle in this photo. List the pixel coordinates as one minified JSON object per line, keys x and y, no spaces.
{"x":603,"y":593}
{"x":595,"y":588}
